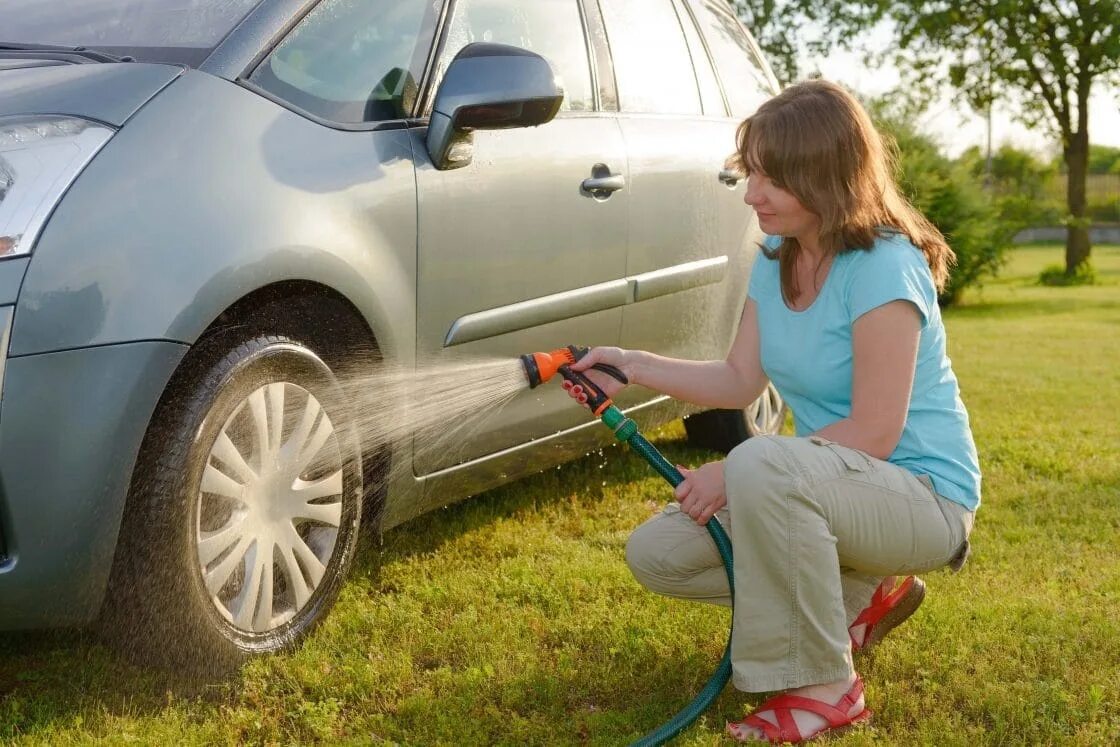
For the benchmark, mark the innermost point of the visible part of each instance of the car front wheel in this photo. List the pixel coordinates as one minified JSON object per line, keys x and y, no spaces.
{"x":244,"y":509}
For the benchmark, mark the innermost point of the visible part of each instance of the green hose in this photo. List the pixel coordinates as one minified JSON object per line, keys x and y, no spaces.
{"x":626,"y":430}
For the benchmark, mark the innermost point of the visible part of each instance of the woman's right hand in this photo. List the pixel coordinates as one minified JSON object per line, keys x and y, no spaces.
{"x":621,"y":359}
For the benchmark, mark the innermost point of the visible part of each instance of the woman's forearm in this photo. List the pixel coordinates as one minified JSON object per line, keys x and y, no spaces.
{"x":875,"y":438}
{"x":704,"y":383}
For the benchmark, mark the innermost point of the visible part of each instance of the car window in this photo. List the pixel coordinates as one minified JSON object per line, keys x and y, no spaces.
{"x":353,"y":61}
{"x":710,"y":93}
{"x":745,"y":82}
{"x":551,"y":28}
{"x":651,"y":61}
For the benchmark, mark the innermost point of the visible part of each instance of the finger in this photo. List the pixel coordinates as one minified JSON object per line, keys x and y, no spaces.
{"x":566,"y":384}
{"x":714,"y":508}
{"x":681,"y":492}
{"x":706,"y":515}
{"x":587,"y":361}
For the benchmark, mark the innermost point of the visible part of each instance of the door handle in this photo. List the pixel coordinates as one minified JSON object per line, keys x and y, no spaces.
{"x":730,"y":177}
{"x":601,"y":187}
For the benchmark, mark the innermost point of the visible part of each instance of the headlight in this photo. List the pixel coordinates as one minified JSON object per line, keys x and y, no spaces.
{"x":40,"y":156}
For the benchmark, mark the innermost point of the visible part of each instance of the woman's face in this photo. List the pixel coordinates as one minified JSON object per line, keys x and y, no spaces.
{"x":779,"y":212}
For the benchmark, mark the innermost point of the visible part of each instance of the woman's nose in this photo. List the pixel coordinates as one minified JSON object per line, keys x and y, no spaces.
{"x":750,"y":195}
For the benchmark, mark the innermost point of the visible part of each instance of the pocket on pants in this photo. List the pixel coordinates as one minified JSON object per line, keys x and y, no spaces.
{"x":854,"y":460}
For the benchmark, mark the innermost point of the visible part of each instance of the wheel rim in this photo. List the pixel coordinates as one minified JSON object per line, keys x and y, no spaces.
{"x":269,"y":508}
{"x":766,"y":414}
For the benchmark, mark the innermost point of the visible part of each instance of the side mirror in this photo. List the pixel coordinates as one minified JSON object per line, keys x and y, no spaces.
{"x":489,"y":87}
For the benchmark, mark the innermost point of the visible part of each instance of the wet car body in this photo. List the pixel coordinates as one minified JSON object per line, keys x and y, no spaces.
{"x":214,"y":201}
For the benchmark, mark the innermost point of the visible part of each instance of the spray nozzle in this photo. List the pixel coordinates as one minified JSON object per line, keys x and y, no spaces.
{"x":540,"y":367}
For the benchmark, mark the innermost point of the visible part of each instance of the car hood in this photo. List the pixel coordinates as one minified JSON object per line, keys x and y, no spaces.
{"x":106,"y":92}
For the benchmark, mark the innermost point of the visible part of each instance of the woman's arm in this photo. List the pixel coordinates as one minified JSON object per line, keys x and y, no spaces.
{"x":884,"y":352}
{"x":732,"y":383}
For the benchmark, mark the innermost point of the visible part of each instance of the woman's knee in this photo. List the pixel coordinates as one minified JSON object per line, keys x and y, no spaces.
{"x":645,"y":552}
{"x":759,"y":470}
{"x":668,"y":550}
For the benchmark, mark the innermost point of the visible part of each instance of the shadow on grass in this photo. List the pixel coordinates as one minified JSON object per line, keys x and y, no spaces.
{"x":57,"y":675}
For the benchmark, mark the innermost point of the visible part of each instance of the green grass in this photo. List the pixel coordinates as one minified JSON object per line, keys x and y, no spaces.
{"x":512,"y":619}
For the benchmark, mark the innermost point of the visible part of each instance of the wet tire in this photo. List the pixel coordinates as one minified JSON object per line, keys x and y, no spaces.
{"x":243,"y":514}
{"x":723,"y":430}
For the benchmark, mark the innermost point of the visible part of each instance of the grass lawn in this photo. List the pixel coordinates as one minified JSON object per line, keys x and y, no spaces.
{"x":512,"y":619}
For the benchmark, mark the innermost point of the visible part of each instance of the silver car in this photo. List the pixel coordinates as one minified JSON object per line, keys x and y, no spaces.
{"x":209,"y":209}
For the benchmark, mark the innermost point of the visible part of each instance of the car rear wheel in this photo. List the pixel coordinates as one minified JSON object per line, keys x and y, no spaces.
{"x":723,"y":430}
{"x":244,"y":510}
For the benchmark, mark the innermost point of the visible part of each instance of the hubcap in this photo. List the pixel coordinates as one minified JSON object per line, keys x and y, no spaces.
{"x":269,"y":507}
{"x":766,"y":414}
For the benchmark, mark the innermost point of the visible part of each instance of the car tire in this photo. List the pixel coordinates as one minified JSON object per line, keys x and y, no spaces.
{"x":723,"y":430}
{"x":243,"y":514}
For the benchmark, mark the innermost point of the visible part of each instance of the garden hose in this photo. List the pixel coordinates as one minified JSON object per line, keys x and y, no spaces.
{"x":540,"y":367}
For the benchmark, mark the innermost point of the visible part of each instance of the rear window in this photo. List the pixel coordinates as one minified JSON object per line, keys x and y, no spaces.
{"x":150,"y":30}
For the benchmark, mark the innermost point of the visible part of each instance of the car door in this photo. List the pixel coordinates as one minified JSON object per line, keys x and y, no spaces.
{"x":674,"y":247}
{"x":688,"y":221}
{"x":514,"y":255}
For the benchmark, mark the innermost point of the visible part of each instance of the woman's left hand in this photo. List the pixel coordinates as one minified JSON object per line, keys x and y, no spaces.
{"x":703,"y":491}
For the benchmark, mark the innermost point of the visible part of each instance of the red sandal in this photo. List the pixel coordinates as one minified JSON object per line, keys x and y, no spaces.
{"x":887,"y":610}
{"x":783,"y":706}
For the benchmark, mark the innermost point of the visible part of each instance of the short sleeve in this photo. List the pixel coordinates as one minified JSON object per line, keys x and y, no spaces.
{"x":893,"y":270}
{"x":764,"y":271}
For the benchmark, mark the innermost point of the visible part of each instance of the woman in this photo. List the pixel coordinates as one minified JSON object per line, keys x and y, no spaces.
{"x":882,"y":478}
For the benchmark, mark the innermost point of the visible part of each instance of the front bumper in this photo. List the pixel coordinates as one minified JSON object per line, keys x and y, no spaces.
{"x":71,"y":424}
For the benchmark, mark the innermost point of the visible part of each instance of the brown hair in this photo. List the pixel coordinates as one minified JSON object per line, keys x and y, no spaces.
{"x":816,"y":141}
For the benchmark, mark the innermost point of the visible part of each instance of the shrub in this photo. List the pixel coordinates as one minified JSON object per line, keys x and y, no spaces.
{"x":1105,"y":211}
{"x":1055,"y":275}
{"x":1023,"y":211}
{"x":952,"y":199}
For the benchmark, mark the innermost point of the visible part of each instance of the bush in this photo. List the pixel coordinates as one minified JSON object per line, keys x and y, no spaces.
{"x":1055,"y":275}
{"x":952,"y":199}
{"x":1023,"y":185}
{"x":1105,"y":211}
{"x":1023,"y":211}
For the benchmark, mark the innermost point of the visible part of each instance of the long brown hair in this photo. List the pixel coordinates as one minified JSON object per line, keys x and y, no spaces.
{"x":816,"y":141}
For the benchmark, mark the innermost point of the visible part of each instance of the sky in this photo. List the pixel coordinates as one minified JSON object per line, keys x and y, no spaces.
{"x":954,"y":125}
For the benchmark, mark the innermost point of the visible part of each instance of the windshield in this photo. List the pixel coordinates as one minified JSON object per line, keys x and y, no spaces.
{"x":182,"y":31}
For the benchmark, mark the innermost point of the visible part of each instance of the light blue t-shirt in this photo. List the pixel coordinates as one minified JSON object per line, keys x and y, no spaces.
{"x":808,"y":356}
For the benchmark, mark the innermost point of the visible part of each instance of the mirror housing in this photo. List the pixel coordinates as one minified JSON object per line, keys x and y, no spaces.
{"x":489,"y":87}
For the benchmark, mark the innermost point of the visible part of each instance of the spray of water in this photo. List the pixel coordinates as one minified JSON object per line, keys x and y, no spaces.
{"x":438,"y":407}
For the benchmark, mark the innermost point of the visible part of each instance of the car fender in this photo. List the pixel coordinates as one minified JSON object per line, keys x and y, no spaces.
{"x":209,"y":193}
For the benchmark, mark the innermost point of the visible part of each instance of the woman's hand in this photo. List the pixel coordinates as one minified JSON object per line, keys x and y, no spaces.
{"x":703,"y":491}
{"x":621,"y":359}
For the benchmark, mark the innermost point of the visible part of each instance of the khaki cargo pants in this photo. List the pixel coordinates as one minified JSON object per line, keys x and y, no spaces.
{"x":814,"y":527}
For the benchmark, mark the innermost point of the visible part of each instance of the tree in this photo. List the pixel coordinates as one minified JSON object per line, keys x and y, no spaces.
{"x":1044,"y":55}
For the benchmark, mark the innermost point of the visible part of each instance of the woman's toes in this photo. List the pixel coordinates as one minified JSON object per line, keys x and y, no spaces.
{"x":743,"y":733}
